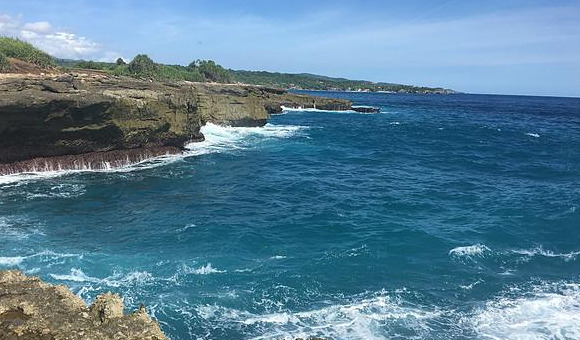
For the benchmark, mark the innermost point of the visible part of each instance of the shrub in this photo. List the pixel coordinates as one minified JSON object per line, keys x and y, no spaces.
{"x":4,"y":64}
{"x":211,"y":71}
{"x":143,"y":66}
{"x":16,"y":48}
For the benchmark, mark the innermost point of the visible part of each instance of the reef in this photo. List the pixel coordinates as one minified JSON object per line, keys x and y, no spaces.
{"x":31,"y":309}
{"x":109,"y":121}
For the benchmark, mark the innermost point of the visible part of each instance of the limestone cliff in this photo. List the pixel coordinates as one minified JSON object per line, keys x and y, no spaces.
{"x":33,"y":310}
{"x":111,"y":121}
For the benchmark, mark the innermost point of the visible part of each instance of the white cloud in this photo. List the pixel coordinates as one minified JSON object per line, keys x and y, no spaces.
{"x":41,"y":27}
{"x":59,"y":43}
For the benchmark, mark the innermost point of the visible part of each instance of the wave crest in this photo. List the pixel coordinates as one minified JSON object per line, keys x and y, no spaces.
{"x":545,"y":314}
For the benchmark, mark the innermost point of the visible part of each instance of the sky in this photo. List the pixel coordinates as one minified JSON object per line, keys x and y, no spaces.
{"x":495,"y":46}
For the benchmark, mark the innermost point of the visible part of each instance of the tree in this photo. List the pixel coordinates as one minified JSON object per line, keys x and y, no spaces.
{"x":142,"y":65}
{"x":120,"y":62}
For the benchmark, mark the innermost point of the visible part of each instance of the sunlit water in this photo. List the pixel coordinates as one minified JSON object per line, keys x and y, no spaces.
{"x":442,"y":217}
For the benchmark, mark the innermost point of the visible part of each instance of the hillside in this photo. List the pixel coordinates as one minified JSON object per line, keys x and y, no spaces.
{"x":317,"y":82}
{"x":13,"y":51}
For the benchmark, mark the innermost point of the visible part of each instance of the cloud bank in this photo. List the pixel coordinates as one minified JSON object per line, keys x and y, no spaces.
{"x":57,"y":42}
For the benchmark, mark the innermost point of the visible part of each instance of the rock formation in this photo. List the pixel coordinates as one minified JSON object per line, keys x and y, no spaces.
{"x":113,"y":121}
{"x":33,"y":310}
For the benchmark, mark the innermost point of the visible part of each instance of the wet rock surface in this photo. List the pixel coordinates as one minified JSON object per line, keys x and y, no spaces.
{"x":33,"y":310}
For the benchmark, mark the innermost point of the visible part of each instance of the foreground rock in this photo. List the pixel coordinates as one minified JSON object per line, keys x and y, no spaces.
{"x":33,"y":310}
{"x":114,"y":121}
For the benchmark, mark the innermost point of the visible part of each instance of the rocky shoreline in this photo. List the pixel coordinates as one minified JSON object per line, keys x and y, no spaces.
{"x":31,"y":309}
{"x":34,"y":310}
{"x":75,"y":121}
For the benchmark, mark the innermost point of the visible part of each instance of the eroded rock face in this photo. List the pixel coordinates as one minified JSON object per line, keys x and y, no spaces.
{"x":33,"y":310}
{"x":119,"y":120}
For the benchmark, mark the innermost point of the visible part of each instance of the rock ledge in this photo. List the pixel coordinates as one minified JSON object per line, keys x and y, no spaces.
{"x":33,"y":310}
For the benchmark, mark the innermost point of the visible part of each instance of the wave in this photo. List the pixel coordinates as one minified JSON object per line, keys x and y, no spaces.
{"x":11,"y":261}
{"x":116,"y":280}
{"x":46,"y":257}
{"x":313,"y":109}
{"x":367,"y":318}
{"x":218,"y":139}
{"x":203,"y":270}
{"x":547,"y":313}
{"x":481,"y":250}
{"x":539,"y":251}
{"x":476,"y":250}
{"x":531,"y":134}
{"x":18,"y":228}
{"x":149,"y":163}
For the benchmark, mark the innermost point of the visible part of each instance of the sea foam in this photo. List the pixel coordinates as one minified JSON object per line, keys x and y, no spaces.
{"x":546,"y":314}
{"x":476,"y":250}
{"x":367,"y":318}
{"x":218,"y":139}
{"x":540,"y":251}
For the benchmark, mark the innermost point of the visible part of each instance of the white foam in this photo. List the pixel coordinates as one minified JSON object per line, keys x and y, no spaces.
{"x":116,"y":280}
{"x":540,"y":251}
{"x":220,"y":138}
{"x":476,"y":250}
{"x":278,"y":257}
{"x":361,"y":319}
{"x":43,"y":174}
{"x":203,"y":270}
{"x":18,"y":228}
{"x":545,"y":314}
{"x":531,"y":134}
{"x":76,"y":275}
{"x":312,"y":109}
{"x":470,"y":286}
{"x":11,"y":261}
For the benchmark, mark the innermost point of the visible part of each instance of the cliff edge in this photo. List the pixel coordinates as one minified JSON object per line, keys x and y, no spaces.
{"x":33,"y":310}
{"x":94,"y":120}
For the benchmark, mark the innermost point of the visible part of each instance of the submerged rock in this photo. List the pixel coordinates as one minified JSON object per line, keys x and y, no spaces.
{"x":33,"y":310}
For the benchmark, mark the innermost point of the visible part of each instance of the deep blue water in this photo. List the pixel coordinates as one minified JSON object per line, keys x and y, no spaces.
{"x":442,"y":217}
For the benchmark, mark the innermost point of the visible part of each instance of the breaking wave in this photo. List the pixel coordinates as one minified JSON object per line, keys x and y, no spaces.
{"x":476,"y":250}
{"x":362,"y":318}
{"x":220,"y":138}
{"x":549,"y":312}
{"x":217,"y":139}
{"x":481,"y":250}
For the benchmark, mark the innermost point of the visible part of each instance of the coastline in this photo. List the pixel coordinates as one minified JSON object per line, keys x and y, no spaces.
{"x":73,"y":121}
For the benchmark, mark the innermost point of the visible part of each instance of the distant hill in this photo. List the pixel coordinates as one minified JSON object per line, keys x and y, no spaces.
{"x":17,"y":56}
{"x":317,"y":82}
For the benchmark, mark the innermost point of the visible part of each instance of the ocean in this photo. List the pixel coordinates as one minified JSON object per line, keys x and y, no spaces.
{"x":441,"y":217}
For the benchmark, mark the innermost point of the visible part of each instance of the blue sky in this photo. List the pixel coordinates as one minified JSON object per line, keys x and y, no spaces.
{"x":508,"y":46}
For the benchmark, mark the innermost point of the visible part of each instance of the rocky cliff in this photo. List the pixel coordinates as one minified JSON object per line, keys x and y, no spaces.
{"x":33,"y":310}
{"x":106,"y":121}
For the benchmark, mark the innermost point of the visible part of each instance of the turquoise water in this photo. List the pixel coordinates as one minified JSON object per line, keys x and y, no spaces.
{"x":442,"y":217}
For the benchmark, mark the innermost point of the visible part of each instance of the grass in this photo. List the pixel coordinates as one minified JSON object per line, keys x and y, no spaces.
{"x":16,"y":48}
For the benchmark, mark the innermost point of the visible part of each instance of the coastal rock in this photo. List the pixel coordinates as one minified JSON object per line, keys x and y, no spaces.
{"x":112,"y":121}
{"x":33,"y":310}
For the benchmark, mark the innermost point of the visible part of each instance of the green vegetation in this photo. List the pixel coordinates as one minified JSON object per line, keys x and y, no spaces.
{"x":16,"y":48}
{"x":4,"y":64}
{"x":142,"y":66}
{"x":316,"y":82}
